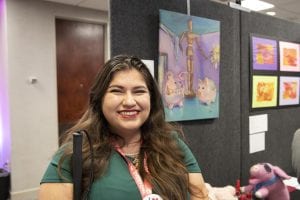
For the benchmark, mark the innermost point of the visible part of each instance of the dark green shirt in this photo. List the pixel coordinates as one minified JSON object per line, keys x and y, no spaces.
{"x":117,"y":182}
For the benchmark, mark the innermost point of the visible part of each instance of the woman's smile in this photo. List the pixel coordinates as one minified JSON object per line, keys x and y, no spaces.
{"x":130,"y":114}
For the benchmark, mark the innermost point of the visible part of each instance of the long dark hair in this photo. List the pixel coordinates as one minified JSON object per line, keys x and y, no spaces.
{"x":168,"y":173}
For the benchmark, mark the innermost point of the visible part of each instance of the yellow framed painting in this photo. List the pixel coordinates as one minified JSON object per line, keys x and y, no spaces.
{"x":264,"y":91}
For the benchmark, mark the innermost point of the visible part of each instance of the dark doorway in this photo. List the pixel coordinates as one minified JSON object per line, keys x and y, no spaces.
{"x":80,"y":54}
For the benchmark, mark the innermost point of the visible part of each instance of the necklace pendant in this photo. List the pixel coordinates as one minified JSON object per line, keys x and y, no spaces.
{"x":135,"y":162}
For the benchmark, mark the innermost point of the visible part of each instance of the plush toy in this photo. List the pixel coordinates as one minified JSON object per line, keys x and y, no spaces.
{"x":221,"y":193}
{"x":266,"y":182}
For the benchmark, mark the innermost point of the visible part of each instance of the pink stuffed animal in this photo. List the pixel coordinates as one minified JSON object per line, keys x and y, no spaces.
{"x":266,"y":182}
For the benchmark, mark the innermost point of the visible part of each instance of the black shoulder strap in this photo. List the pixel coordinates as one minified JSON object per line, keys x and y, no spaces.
{"x":77,"y":165}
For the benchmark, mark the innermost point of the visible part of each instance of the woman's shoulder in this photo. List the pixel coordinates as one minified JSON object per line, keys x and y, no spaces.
{"x":177,"y":135}
{"x":62,"y":155}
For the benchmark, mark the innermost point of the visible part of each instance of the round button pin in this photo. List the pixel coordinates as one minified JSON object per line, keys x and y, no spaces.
{"x":152,"y":197}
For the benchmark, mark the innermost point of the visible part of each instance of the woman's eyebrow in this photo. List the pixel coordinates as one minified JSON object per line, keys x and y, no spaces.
{"x":116,"y":86}
{"x":140,"y":87}
{"x":135,"y":87}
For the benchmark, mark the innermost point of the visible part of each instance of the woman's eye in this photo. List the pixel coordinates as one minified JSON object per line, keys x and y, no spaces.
{"x":140,"y":91}
{"x":115,"y":91}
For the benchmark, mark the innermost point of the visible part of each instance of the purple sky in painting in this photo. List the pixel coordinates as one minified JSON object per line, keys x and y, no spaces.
{"x":202,"y":66}
{"x":256,"y":66}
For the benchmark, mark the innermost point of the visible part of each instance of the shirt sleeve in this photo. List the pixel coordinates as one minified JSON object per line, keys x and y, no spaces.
{"x":51,"y":175}
{"x":189,"y":159}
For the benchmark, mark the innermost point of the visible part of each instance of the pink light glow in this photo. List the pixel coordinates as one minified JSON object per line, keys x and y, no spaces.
{"x":4,"y":105}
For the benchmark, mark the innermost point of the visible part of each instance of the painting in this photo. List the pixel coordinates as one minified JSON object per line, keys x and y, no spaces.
{"x":289,"y":90}
{"x":264,"y":91}
{"x":289,"y":56}
{"x":189,"y":66}
{"x":264,"y":53}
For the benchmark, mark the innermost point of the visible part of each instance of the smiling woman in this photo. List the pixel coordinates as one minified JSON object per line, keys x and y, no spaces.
{"x":136,"y":154}
{"x":296,"y":153}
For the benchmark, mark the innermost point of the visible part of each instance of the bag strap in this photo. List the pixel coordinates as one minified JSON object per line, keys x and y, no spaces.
{"x":77,"y":165}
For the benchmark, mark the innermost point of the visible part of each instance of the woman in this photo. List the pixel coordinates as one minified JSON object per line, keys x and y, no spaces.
{"x":296,"y":153}
{"x":136,"y":152}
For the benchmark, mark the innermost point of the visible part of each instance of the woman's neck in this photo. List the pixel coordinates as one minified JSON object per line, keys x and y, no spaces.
{"x":127,"y":137}
{"x":130,"y":143}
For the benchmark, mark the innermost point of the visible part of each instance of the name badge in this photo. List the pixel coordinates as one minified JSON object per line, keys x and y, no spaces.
{"x":152,"y":197}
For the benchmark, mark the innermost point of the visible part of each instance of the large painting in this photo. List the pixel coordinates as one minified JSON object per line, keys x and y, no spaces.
{"x":189,"y":66}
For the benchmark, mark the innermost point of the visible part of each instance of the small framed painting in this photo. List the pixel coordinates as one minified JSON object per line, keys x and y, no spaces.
{"x":289,"y":56}
{"x":264,"y":91}
{"x":289,"y":90}
{"x":264,"y":53}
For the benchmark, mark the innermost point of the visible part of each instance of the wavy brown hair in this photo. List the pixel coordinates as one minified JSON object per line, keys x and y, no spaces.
{"x":168,"y":173}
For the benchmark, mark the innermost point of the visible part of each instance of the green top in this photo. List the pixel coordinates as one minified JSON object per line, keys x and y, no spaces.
{"x":117,"y":182}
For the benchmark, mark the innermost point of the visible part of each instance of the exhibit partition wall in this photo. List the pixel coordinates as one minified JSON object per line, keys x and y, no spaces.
{"x":215,"y":142}
{"x":282,"y":121}
{"x":221,"y":145}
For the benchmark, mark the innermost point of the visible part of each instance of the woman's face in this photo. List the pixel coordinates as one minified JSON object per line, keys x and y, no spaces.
{"x":126,"y":103}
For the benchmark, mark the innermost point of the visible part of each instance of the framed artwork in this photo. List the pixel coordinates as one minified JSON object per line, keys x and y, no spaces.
{"x":263,"y":53}
{"x":289,"y":56}
{"x":289,"y":90}
{"x":189,"y":66}
{"x":264,"y":91}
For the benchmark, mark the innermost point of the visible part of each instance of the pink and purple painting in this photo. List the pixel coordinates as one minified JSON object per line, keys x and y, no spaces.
{"x":289,"y":90}
{"x":264,"y":54}
{"x":189,"y":66}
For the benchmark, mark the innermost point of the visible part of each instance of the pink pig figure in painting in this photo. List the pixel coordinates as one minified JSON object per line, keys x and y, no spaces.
{"x":207,"y":91}
{"x":266,"y":181}
{"x":174,"y":91}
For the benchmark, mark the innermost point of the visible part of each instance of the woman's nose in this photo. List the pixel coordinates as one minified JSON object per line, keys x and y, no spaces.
{"x":129,"y":99}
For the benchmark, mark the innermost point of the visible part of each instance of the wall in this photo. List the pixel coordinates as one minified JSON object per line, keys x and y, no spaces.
{"x":282,"y":122}
{"x":33,"y":107}
{"x":221,"y":146}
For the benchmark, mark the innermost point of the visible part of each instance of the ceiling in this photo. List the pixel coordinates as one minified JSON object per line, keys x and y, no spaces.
{"x":93,"y":4}
{"x":285,"y":9}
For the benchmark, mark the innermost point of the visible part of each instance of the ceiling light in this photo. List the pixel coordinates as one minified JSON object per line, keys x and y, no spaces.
{"x":271,"y":13}
{"x":256,"y":5}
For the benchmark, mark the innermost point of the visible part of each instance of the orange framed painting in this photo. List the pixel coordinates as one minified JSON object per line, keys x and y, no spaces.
{"x":289,"y":56}
{"x":264,"y":91}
